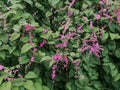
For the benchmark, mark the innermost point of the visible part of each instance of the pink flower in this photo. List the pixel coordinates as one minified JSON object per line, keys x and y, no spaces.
{"x":70,"y":13}
{"x":31,"y":37}
{"x":34,"y":50}
{"x":45,"y":31}
{"x":118,"y":15}
{"x":70,"y":35}
{"x":76,"y":64}
{"x":62,"y":45}
{"x":66,"y":60}
{"x":54,"y":67}
{"x":106,"y":2}
{"x":19,"y":75}
{"x":61,"y":37}
{"x":101,"y":2}
{"x":32,"y":59}
{"x":95,"y":49}
{"x":10,"y":79}
{"x":1,"y":67}
{"x":106,"y":15}
{"x":79,"y":27}
{"x":71,"y":3}
{"x":42,"y":44}
{"x":92,"y":45}
{"x":98,"y":17}
{"x":91,"y":24}
{"x":57,"y":57}
{"x":29,"y":27}
{"x":85,"y":18}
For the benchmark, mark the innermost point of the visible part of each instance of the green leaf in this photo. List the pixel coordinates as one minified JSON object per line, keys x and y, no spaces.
{"x":17,"y":27}
{"x":40,"y":29}
{"x":112,"y":66}
{"x":39,"y":6}
{"x":41,"y":54}
{"x":11,"y":49}
{"x":51,"y":63}
{"x":26,"y":47}
{"x":112,"y":45}
{"x":45,"y":87}
{"x":30,"y":74}
{"x":68,"y":85}
{"x":25,"y":39}
{"x":1,"y":79}
{"x":45,"y":58}
{"x":53,"y":2}
{"x":72,"y":54}
{"x":105,"y":36}
{"x":5,"y":86}
{"x":117,"y":77}
{"x":23,"y":60}
{"x":38,"y":86}
{"x":29,"y":2}
{"x":15,"y":36}
{"x":15,"y":88}
{"x":29,"y":85}
{"x":2,"y":55}
{"x":88,"y":88}
{"x":114,"y":72}
{"x":51,"y":42}
{"x":114,"y":36}
{"x":4,"y":38}
{"x":48,"y":13}
{"x":0,"y":43}
{"x":18,"y":82}
{"x":117,"y":53}
{"x":71,"y":73}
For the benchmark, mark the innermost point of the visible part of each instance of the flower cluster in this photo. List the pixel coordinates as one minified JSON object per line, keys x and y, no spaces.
{"x":92,"y":45}
{"x":54,"y":67}
{"x":76,"y":63}
{"x":29,"y":27}
{"x":1,"y":67}
{"x":118,"y":15}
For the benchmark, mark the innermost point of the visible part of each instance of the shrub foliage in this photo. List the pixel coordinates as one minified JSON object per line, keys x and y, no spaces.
{"x":59,"y":45}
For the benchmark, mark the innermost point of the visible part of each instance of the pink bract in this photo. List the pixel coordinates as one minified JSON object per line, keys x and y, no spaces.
{"x":29,"y":27}
{"x":1,"y":67}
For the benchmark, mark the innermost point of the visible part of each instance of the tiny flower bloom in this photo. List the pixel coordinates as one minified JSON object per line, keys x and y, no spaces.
{"x":54,"y":67}
{"x":34,"y":50}
{"x":98,"y":17}
{"x":10,"y":79}
{"x":1,"y":67}
{"x":62,"y":45}
{"x":45,"y":31}
{"x":31,"y":42}
{"x":57,"y":57}
{"x":76,"y":64}
{"x":70,"y":13}
{"x":106,"y":15}
{"x":79,"y":27}
{"x":19,"y":75}
{"x":42,"y":44}
{"x":91,"y":24}
{"x":29,"y":27}
{"x":92,"y":45}
{"x":61,"y":37}
{"x":101,"y":2}
{"x":32,"y":59}
{"x":118,"y":15}
{"x":71,"y":3}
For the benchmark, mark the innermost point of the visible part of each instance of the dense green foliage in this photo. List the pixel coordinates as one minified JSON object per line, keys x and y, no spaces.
{"x":33,"y":55}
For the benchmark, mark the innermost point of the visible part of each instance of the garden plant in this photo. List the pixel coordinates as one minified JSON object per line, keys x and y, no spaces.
{"x":59,"y":44}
